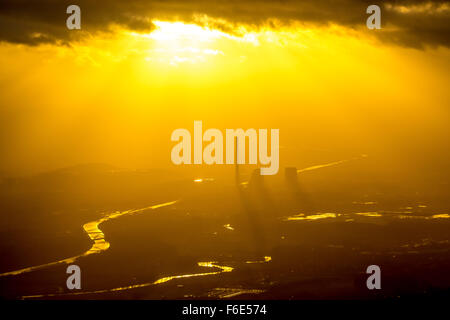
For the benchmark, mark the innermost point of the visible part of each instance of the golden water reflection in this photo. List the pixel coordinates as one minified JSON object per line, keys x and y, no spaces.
{"x":228,"y":226}
{"x":207,"y":264}
{"x":349,"y":217}
{"x":266,"y":259}
{"x":232,"y":292}
{"x":302,"y":216}
{"x":330,"y":164}
{"x":95,"y":234}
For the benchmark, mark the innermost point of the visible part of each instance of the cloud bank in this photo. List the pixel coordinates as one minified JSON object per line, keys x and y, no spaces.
{"x":411,"y":23}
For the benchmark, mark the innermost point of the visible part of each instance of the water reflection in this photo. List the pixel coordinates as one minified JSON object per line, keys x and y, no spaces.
{"x":302,"y":216}
{"x":207,"y":264}
{"x":266,"y":259}
{"x":200,"y":180}
{"x":330,"y":164}
{"x":95,"y":234}
{"x":371,"y":214}
{"x":224,"y":293}
{"x":228,"y":226}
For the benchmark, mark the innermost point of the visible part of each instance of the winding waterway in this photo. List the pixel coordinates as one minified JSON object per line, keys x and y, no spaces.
{"x":95,"y":234}
{"x":100,"y":244}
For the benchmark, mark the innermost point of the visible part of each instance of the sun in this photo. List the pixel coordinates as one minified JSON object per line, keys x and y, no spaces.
{"x":179,"y":31}
{"x":178,"y":42}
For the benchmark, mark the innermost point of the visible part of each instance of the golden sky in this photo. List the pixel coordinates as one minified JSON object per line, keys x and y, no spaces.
{"x":115,"y":90}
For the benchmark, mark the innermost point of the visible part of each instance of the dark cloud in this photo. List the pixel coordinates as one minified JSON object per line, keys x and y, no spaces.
{"x":413,"y":23}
